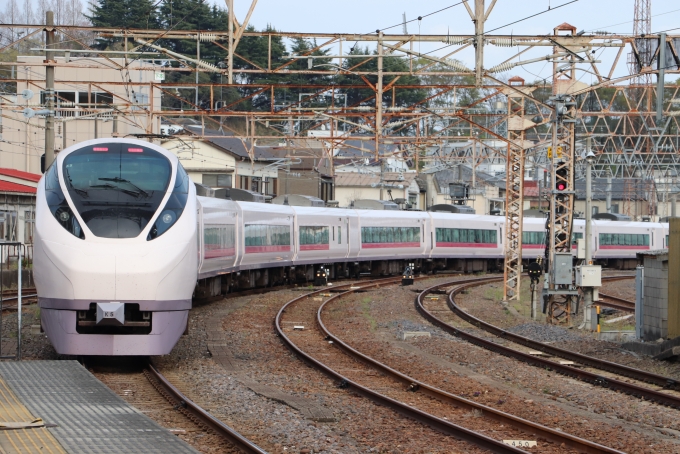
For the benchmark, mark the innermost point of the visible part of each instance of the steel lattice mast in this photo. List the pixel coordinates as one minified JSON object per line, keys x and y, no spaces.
{"x":642,"y":26}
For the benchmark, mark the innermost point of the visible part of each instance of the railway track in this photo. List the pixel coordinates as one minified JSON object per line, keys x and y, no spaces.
{"x":414,"y":385}
{"x":395,"y":389}
{"x":197,"y":414}
{"x":143,"y":386}
{"x":571,"y":370}
{"x":617,"y":303}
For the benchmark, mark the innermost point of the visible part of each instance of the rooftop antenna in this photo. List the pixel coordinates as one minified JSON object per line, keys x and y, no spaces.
{"x":404,"y":18}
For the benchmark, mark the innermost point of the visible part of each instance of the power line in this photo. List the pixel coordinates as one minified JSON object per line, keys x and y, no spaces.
{"x":630,"y":21}
{"x":420,"y":17}
{"x":533,"y":15}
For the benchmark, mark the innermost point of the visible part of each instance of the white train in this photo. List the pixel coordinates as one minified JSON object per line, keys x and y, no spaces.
{"x":123,"y":243}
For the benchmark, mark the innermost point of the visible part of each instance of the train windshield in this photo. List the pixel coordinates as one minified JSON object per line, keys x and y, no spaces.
{"x":116,"y":187}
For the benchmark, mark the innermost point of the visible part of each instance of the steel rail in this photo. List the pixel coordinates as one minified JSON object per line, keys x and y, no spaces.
{"x":586,"y":360}
{"x":198,"y":414}
{"x":617,"y":303}
{"x":589,"y":377}
{"x":580,"y":444}
{"x":436,"y":423}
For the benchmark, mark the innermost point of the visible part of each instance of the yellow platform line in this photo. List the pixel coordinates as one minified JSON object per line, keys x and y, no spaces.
{"x":23,"y":441}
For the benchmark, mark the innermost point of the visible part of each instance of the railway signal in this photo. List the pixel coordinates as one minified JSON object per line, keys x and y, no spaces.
{"x":561,"y":175}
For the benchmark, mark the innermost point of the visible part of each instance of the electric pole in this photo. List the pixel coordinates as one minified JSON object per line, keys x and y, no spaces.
{"x":49,"y":89}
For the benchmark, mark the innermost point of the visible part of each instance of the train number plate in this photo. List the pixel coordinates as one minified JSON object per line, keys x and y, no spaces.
{"x":520,"y":443}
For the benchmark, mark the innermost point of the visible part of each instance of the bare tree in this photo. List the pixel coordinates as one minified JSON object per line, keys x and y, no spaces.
{"x":12,"y":16}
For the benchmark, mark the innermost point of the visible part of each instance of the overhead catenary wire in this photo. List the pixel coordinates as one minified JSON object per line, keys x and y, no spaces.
{"x":419,"y":18}
{"x":529,"y":17}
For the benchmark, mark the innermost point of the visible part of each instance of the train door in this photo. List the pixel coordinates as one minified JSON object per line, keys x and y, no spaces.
{"x":344,"y":237}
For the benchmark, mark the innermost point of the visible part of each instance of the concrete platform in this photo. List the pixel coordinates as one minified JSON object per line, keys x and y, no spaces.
{"x":89,"y":417}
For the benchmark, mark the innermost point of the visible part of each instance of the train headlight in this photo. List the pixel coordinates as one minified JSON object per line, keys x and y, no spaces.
{"x":58,"y":204}
{"x":174,"y":207}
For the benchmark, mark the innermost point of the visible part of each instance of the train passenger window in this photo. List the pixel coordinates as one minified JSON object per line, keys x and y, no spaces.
{"x":533,"y":237}
{"x":313,"y":235}
{"x":624,"y":239}
{"x":266,"y":235}
{"x":463,"y":236}
{"x":219,"y":241}
{"x":389,"y":235}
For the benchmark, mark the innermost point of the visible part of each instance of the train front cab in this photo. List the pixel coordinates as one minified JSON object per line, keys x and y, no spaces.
{"x":109,"y":235}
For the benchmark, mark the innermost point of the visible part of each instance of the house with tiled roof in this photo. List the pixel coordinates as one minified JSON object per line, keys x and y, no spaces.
{"x":219,"y":159}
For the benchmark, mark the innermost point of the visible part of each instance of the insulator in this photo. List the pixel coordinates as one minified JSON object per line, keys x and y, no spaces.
{"x":363,"y":108}
{"x":456,"y":40}
{"x":457,"y":65}
{"x":502,"y":67}
{"x":207,"y":37}
{"x":504,"y":42}
{"x":207,"y":65}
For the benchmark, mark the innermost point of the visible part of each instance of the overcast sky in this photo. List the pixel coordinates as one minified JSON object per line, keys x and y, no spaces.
{"x":364,"y":16}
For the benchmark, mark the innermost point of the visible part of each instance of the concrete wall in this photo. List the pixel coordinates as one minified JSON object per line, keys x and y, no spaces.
{"x":674,"y":278}
{"x":655,"y":306}
{"x":24,"y":139}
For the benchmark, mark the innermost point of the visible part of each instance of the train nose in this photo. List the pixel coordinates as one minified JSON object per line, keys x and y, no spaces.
{"x":87,"y":273}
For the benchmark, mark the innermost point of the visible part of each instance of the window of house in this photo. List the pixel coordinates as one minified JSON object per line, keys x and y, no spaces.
{"x":326,"y":190}
{"x":244,"y":182}
{"x":29,"y":226}
{"x":269,"y":186}
{"x":216,"y":180}
{"x":615,"y":208}
{"x":596,"y":210}
{"x":256,"y":184}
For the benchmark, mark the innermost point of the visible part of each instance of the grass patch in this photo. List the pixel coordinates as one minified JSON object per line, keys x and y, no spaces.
{"x":366,"y":313}
{"x":493,"y":294}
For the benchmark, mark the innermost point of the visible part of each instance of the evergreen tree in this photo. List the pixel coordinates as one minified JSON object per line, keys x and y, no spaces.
{"x":356,"y":96}
{"x":123,"y":14}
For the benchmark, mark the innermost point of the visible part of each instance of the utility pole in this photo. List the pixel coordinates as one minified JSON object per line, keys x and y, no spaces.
{"x":230,"y":54}
{"x":661,"y":63}
{"x":609,"y":192}
{"x":379,"y":101}
{"x":49,"y":89}
{"x":588,"y":291}
{"x":198,"y":58}
{"x":480,"y":17}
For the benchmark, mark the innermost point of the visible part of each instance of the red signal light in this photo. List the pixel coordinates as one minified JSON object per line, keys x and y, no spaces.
{"x":561,"y":186}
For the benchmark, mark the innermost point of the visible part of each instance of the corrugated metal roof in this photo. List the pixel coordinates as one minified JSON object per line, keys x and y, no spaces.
{"x":6,"y":186}
{"x":20,"y":174}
